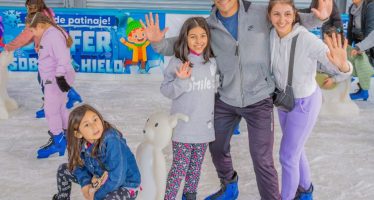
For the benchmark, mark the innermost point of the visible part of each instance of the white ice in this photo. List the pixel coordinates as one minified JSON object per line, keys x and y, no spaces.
{"x":340,"y":150}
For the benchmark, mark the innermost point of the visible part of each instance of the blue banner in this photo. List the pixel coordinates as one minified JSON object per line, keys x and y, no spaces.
{"x":97,"y":46}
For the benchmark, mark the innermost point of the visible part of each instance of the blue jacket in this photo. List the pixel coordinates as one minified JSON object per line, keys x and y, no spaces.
{"x":116,"y":158}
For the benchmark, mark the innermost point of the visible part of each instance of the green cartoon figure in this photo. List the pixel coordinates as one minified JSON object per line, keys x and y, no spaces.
{"x":137,"y":42}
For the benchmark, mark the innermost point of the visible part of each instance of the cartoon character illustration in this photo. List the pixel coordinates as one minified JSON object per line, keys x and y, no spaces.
{"x":137,"y":42}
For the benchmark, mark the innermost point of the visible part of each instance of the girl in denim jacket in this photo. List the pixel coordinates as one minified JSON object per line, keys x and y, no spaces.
{"x":99,"y":159}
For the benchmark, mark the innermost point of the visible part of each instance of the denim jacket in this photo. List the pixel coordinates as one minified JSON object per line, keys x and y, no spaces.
{"x":116,"y":158}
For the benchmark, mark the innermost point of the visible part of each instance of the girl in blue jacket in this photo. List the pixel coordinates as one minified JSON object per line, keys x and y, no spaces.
{"x":99,"y":159}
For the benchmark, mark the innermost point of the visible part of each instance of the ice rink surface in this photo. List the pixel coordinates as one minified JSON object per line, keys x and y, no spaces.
{"x":340,"y":149}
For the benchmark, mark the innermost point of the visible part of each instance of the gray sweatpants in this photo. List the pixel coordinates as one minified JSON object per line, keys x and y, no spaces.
{"x":259,"y":118}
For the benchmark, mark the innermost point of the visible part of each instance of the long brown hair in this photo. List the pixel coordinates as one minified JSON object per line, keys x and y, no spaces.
{"x":74,"y":144}
{"x":40,"y":6}
{"x":272,"y":3}
{"x":181,"y":45}
{"x":39,"y":18}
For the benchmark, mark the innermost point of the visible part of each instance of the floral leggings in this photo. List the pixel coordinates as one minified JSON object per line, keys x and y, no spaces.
{"x":187,"y":161}
{"x":65,"y":178}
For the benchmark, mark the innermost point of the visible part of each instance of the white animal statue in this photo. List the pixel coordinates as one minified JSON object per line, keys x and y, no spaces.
{"x":6,"y":103}
{"x":336,"y":101}
{"x":149,"y":156}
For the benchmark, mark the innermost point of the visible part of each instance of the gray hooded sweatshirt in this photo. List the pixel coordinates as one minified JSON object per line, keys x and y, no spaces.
{"x":309,"y":49}
{"x":193,"y":97}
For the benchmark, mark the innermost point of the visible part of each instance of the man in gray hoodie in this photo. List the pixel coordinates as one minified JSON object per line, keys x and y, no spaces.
{"x":240,"y":41}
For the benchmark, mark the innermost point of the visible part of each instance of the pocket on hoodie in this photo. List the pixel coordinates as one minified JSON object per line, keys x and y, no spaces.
{"x":226,"y":72}
{"x":255,"y":79}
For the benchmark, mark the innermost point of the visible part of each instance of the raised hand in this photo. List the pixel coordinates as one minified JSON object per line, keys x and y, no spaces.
{"x":324,"y":9}
{"x":338,"y":51}
{"x":152,"y":28}
{"x":184,"y":71}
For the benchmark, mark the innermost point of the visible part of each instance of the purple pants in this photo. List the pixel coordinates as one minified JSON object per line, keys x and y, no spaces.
{"x":55,"y":109}
{"x":296,"y":128}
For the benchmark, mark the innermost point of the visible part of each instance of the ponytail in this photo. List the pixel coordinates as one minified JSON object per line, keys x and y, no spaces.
{"x":34,"y":19}
{"x":69,"y":40}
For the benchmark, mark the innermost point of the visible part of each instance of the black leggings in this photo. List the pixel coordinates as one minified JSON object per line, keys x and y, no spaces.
{"x":65,"y":178}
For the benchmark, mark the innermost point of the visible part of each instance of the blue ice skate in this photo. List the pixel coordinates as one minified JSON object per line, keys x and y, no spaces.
{"x":55,"y":144}
{"x":305,"y":195}
{"x":40,"y":113}
{"x":228,"y":191}
{"x":237,"y":130}
{"x":73,"y":97}
{"x":189,"y":196}
{"x":361,"y":94}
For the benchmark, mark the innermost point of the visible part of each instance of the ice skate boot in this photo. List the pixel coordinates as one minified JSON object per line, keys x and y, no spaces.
{"x":189,"y":196}
{"x":304,"y":194}
{"x":361,"y":94}
{"x":73,"y":97}
{"x":40,"y":113}
{"x":228,"y":191}
{"x":55,"y":144}
{"x":237,"y":130}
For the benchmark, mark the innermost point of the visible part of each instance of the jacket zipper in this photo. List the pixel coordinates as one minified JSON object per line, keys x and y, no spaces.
{"x":241,"y":71}
{"x":236,"y":54}
{"x":239,"y":62}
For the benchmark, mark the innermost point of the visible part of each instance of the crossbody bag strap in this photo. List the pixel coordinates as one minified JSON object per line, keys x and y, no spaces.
{"x":292,"y":60}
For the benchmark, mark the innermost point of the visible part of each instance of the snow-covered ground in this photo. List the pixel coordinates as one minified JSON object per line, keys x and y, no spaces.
{"x":340,"y":150}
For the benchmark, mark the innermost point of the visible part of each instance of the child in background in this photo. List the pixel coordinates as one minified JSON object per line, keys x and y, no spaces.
{"x":189,"y":80}
{"x":26,"y":37}
{"x":361,"y":68}
{"x":99,"y":160}
{"x":56,"y":75}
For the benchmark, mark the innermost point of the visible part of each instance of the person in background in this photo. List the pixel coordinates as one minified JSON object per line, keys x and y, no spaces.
{"x":26,"y":37}
{"x":360,"y":35}
{"x":334,"y":20}
{"x":361,"y":68}
{"x":56,"y":74}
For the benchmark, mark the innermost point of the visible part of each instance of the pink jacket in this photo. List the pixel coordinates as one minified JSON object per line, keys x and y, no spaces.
{"x":54,"y":57}
{"x":26,"y":36}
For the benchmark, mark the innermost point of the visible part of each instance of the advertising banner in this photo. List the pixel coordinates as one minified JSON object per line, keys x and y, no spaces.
{"x":105,"y":40}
